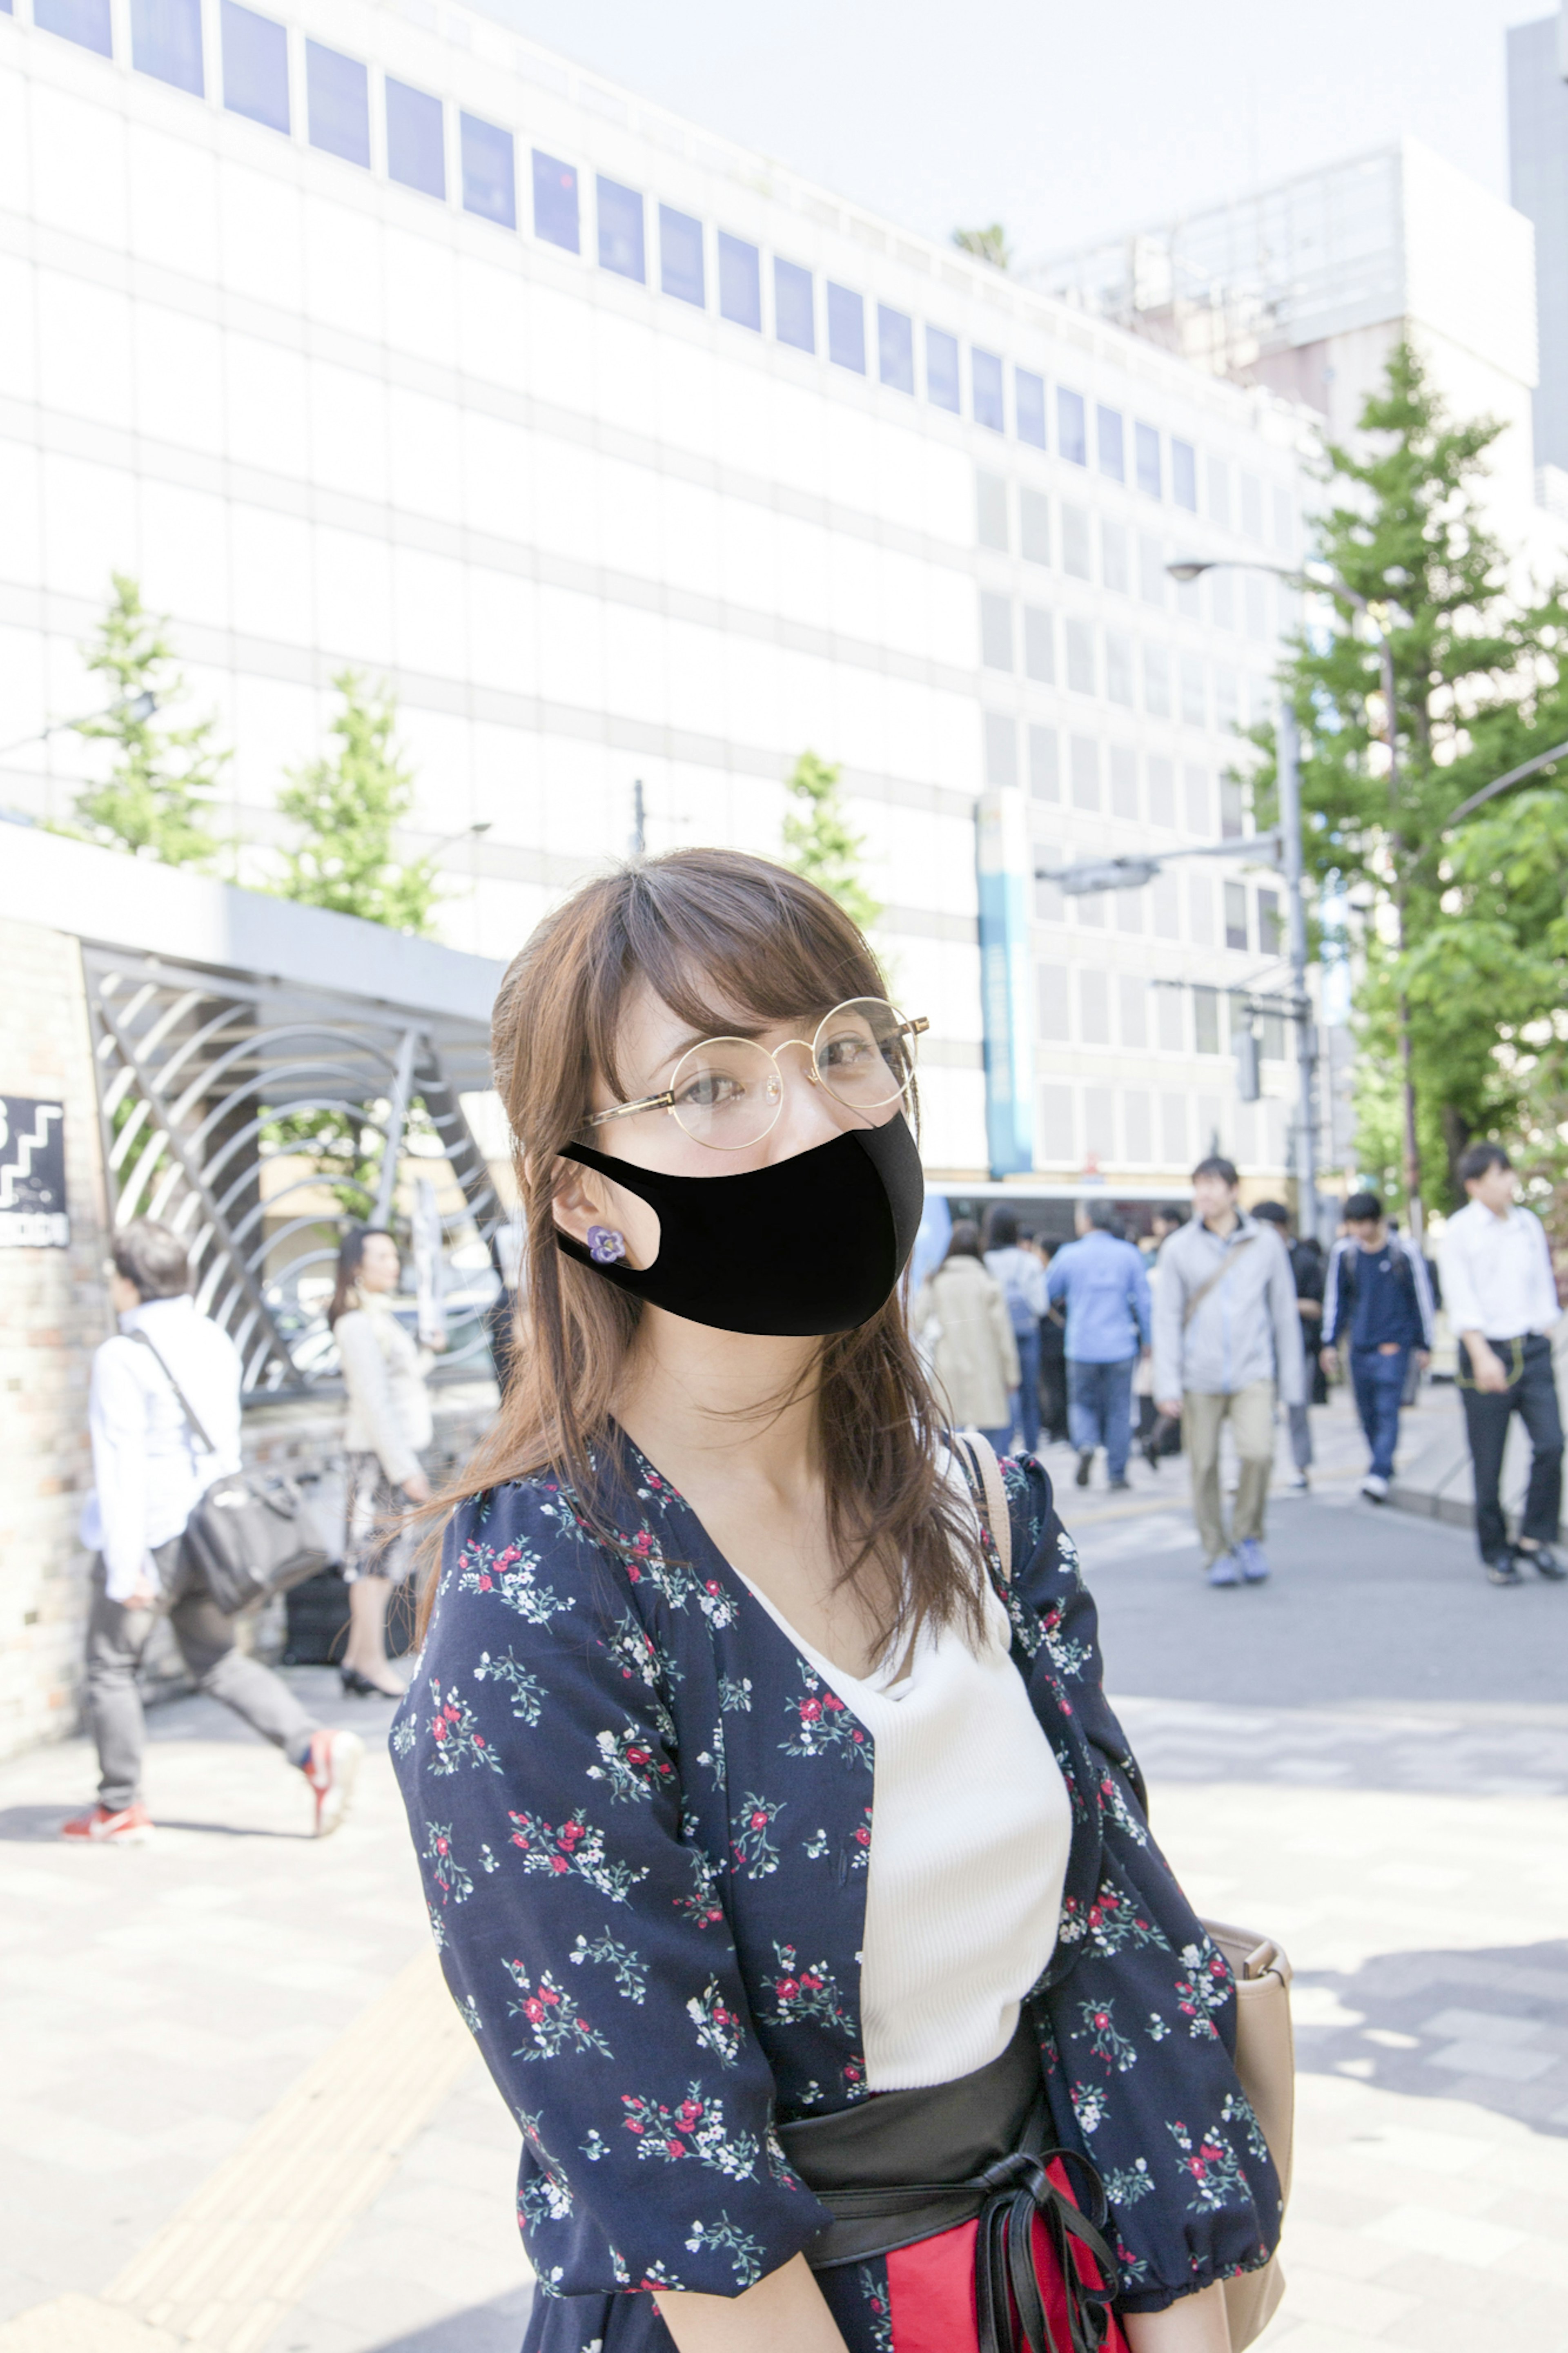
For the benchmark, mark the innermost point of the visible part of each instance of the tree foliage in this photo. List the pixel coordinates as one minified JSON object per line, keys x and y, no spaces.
{"x":986,"y":244}
{"x":157,"y":800}
{"x":1475,"y":675}
{"x":820,"y":843}
{"x":348,"y":807}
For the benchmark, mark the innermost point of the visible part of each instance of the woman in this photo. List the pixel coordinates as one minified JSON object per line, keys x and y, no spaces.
{"x":961,"y":1318}
{"x":387,"y":1429}
{"x":752,"y":1820}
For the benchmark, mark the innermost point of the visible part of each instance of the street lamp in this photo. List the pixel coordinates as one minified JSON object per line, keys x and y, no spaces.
{"x":1186,"y":570}
{"x":468,"y":833}
{"x":141,"y":706}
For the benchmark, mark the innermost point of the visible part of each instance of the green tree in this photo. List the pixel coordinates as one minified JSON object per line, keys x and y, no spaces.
{"x":1404,"y":531}
{"x":348,"y":807}
{"x":157,"y":801}
{"x":986,"y":244}
{"x":819,"y":841}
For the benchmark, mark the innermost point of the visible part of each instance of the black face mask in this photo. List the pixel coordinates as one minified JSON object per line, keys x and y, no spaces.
{"x":808,"y":1246}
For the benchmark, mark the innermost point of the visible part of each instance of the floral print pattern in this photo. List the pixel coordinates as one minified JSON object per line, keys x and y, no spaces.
{"x":644,"y":1835}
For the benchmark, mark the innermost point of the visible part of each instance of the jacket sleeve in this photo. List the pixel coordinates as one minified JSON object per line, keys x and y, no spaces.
{"x":1287,"y":1352}
{"x":1459,"y":1293}
{"x":1425,"y":1307}
{"x":581,"y":1923}
{"x":117,"y":1423}
{"x":369,"y":1385}
{"x":1006,"y":1340}
{"x":1056,"y":1277}
{"x":1333,"y":1297}
{"x":1170,"y":1299}
{"x":1139,"y":1298}
{"x":1139,"y":2005}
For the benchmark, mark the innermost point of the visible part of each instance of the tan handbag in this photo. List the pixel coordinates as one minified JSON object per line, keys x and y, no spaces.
{"x":1265,"y":2047}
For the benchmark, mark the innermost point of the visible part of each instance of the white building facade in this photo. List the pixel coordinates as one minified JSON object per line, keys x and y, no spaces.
{"x":362,"y":339}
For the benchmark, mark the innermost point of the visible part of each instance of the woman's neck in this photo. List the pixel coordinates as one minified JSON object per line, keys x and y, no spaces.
{"x":736,"y":1403}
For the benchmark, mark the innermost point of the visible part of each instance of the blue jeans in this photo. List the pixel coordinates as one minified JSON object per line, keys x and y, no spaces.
{"x":1027,"y":1395}
{"x":1100,"y":1410}
{"x":1379,"y":1384}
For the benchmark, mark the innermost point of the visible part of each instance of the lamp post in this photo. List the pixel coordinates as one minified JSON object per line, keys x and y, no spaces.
{"x":1188,"y":569}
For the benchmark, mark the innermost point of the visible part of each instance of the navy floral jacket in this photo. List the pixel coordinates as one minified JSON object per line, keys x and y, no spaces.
{"x":645,"y":1826}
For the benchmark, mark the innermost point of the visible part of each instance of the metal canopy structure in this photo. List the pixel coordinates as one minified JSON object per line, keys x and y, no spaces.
{"x":231,"y":1104}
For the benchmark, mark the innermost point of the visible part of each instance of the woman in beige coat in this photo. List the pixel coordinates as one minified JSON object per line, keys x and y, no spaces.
{"x":388,"y":1428}
{"x":961,"y":1322}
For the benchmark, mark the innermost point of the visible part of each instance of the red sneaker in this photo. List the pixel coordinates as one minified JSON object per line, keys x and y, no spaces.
{"x":330,"y":1769}
{"x":131,"y":1826}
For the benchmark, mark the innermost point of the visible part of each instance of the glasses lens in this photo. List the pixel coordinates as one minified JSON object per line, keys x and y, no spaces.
{"x":727,"y":1093}
{"x":866,"y":1053}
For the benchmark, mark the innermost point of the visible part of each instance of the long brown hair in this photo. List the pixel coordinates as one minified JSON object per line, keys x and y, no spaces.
{"x":711,"y":932}
{"x":350,"y":1257}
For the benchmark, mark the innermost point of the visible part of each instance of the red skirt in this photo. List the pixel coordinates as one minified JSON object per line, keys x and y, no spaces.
{"x":931,"y":2288}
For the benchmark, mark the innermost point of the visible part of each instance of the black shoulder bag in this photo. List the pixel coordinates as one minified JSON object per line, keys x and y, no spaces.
{"x":249,"y":1536}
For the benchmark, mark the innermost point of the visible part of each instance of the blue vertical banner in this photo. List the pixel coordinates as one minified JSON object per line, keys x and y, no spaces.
{"x":1004,"y":861}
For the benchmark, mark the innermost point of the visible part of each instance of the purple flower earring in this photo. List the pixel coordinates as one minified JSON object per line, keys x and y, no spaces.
{"x":605,"y":1246}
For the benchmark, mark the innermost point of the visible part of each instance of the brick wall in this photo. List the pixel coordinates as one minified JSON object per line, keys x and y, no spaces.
{"x":53,"y":1313}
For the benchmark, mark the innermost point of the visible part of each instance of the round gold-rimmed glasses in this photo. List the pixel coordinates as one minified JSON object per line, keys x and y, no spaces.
{"x":727,"y":1093}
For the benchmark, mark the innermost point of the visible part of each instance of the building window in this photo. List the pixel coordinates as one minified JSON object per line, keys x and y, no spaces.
{"x":555,"y":202}
{"x":1039,"y":645}
{"x":1185,"y":475}
{"x":1195,"y":794}
{"x":1230,"y":799}
{"x":1113,"y":571}
{"x":1283,"y":532}
{"x":1165,"y":899}
{"x":1152,"y":574}
{"x":1094,"y":1008}
{"x":489,"y":182}
{"x":166,"y":41}
{"x":1075,"y":541}
{"x":1118,"y":667}
{"x":1050,"y":906}
{"x":1235,"y":915}
{"x":1001,"y":751}
{"x":846,"y":329}
{"x":1174,"y":1107}
{"x":1271,"y":930}
{"x":1156,"y":681}
{"x":1052,"y":982}
{"x":255,"y":65}
{"x":1056,"y":1124}
{"x":1034,"y":517}
{"x":1219,"y":492}
{"x":1044,"y":771}
{"x":681,"y":271}
{"x":1029,"y":406}
{"x":1146,"y":453}
{"x":1084,"y":764}
{"x":86,"y":22}
{"x":1205,"y":1020}
{"x":996,"y":630}
{"x":895,"y":349}
{"x":1226,"y":698}
{"x":1252,"y":506}
{"x":1072,"y":433}
{"x":1125,"y":782}
{"x":1195,"y":695}
{"x":1108,"y":440}
{"x":1080,"y":658}
{"x":1161,"y":793}
{"x":1272,"y":1044}
{"x":991,"y":511}
{"x":794,"y":319}
{"x":985,"y":385}
{"x":621,"y":231}
{"x":740,"y":283}
{"x":941,"y":370}
{"x":1135,"y":1120}
{"x":337,"y":103}
{"x":415,"y":147}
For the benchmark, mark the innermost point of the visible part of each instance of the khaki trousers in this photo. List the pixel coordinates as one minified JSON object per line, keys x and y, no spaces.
{"x":1250,"y":1412}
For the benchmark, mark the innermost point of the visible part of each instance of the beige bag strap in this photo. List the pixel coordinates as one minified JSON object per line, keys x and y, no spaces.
{"x":988,"y":1473}
{"x":1218,"y":1276}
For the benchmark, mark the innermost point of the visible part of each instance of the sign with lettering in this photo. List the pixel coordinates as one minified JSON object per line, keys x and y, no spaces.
{"x":32,"y":1174}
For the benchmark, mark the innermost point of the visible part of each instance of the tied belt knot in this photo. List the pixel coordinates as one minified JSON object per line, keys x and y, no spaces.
{"x":901,"y":2167}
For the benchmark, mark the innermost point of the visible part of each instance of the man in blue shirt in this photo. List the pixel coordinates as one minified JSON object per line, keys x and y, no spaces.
{"x":1377,"y":1294}
{"x":1101,"y":1278}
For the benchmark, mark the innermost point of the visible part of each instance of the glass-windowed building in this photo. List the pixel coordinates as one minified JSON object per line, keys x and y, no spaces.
{"x":365,"y":339}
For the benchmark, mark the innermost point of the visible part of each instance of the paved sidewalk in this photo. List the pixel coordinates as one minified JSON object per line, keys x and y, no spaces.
{"x":1342,"y":1757}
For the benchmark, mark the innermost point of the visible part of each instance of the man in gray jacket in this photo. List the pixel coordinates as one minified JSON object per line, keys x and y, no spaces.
{"x":1226,"y":1344}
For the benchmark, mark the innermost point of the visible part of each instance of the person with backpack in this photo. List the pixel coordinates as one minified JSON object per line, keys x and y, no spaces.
{"x":1228,"y":1345}
{"x":149,"y":1472}
{"x":1021,"y":1276}
{"x":1377,"y":1296}
{"x":1101,"y":1278}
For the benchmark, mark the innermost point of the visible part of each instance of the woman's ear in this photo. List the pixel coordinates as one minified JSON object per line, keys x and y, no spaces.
{"x":582,"y":1199}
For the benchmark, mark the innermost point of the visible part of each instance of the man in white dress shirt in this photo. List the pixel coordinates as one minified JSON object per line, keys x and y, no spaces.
{"x":1502,"y":1299}
{"x":149,"y":1473}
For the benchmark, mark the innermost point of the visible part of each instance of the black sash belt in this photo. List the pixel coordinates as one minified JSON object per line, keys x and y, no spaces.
{"x":904,"y":2165}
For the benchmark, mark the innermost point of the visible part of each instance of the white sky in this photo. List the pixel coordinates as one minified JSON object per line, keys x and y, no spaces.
{"x":1065,"y":122}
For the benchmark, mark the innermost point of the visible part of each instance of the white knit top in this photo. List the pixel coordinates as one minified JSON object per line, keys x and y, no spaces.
{"x":970,"y":1829}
